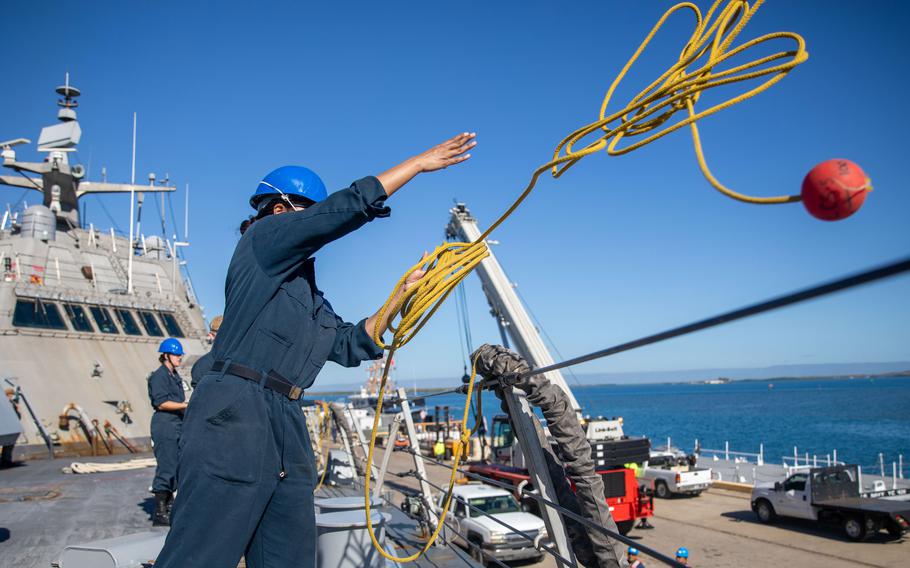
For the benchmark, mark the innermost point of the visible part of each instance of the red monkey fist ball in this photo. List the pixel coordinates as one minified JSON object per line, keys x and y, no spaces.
{"x":834,"y":190}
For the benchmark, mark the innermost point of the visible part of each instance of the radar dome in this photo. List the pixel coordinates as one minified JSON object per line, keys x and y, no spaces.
{"x":39,"y":222}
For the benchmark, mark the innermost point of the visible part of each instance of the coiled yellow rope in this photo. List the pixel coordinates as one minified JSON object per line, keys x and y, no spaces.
{"x":647,"y":116}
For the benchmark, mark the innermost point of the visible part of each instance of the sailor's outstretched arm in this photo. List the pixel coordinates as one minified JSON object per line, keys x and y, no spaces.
{"x":452,"y":151}
{"x":285,"y":240}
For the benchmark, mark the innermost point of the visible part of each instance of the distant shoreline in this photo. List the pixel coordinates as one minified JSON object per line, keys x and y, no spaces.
{"x":892,"y":375}
{"x":898,"y":374}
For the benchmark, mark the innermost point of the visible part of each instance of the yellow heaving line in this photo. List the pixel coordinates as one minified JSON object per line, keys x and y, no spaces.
{"x":647,"y":115}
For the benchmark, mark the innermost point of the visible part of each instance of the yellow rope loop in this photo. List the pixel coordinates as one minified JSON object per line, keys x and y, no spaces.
{"x":648,"y":117}
{"x":679,"y":87}
{"x":448,"y":265}
{"x":457,"y":454}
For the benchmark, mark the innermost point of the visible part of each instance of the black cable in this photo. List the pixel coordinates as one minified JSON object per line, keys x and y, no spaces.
{"x":851,"y":281}
{"x":458,"y":390}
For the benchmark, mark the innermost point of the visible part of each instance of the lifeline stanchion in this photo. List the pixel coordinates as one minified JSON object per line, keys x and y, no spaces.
{"x":425,"y":494}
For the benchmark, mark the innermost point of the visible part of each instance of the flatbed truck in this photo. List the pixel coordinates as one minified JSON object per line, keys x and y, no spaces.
{"x":831,"y":496}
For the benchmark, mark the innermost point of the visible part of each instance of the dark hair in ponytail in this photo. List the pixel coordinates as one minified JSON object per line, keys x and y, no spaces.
{"x":245,"y":224}
{"x":264,"y":211}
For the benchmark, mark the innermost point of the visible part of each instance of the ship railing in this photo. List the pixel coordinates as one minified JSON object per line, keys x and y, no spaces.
{"x":52,"y":271}
{"x":726,"y":454}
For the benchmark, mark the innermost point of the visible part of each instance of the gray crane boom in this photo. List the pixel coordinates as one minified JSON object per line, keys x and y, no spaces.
{"x":507,"y":307}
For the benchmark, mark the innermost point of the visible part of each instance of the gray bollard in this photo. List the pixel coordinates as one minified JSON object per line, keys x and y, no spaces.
{"x":336,"y":504}
{"x":343,"y":540}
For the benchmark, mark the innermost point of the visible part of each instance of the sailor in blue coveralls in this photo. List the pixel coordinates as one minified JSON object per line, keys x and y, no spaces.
{"x":247,"y":470}
{"x":168,"y":399}
{"x":204,"y":364}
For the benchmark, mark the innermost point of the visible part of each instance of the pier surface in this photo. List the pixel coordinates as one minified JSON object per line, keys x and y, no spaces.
{"x":720,"y":529}
{"x":43,"y":510}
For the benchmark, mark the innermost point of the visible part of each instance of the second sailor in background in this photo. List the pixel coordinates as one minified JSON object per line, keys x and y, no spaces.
{"x":169,"y":401}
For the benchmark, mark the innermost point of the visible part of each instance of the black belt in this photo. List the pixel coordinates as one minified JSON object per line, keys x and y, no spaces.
{"x":270,"y":380}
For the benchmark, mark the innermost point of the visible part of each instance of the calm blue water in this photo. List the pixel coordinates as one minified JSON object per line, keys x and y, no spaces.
{"x":859,"y":417}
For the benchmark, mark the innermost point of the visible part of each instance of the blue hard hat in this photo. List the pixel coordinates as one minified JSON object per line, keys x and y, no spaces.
{"x":633,"y":551}
{"x":293,"y":181}
{"x":682,"y":552}
{"x":170,"y":346}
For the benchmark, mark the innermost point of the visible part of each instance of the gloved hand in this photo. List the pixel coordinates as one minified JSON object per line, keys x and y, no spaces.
{"x":497,"y":362}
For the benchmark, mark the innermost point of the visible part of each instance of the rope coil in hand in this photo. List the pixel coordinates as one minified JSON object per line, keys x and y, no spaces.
{"x":646,"y":116}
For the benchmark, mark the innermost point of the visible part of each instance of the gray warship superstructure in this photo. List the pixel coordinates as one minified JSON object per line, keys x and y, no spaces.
{"x":82,"y":310}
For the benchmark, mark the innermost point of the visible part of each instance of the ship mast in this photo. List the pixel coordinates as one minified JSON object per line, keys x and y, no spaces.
{"x":60,"y":183}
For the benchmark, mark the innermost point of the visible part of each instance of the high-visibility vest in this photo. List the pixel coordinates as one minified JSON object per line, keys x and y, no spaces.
{"x":634,"y":467}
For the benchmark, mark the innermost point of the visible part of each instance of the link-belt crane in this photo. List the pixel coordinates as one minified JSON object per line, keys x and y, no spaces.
{"x":611,"y":449}
{"x":510,"y":314}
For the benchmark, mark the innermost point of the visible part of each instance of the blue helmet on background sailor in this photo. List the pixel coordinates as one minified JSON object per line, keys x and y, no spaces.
{"x":171,"y":346}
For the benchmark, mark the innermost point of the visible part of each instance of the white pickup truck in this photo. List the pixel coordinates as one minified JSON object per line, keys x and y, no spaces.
{"x":671,"y":473}
{"x":830,"y":495}
{"x":483,"y":537}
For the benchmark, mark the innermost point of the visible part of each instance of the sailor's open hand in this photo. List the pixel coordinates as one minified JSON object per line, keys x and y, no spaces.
{"x":452,"y":151}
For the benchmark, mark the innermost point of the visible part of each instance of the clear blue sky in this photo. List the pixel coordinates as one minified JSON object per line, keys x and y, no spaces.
{"x":616,"y":248}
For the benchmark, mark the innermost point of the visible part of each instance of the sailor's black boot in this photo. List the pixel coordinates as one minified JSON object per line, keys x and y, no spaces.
{"x":162,"y":517}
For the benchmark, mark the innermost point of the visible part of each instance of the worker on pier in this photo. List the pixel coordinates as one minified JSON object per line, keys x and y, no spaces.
{"x":682,"y":555}
{"x":632,"y":558}
{"x":204,"y":364}
{"x":169,"y":401}
{"x":247,"y":470}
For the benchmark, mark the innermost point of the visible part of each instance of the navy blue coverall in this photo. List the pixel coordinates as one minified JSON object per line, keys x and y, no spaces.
{"x":202,"y":366}
{"x":166,"y":426}
{"x":247,"y":470}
